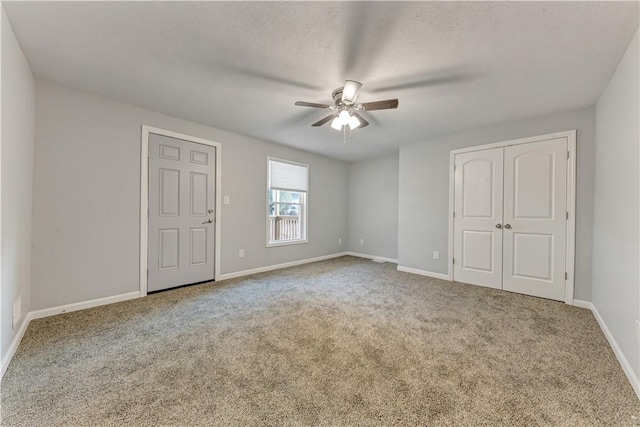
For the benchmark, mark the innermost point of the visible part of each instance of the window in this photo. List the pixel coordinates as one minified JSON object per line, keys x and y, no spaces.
{"x":287,"y":199}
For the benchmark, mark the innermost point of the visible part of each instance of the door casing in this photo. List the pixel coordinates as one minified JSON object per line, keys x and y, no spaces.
{"x":570,"y":135}
{"x":144,"y":197}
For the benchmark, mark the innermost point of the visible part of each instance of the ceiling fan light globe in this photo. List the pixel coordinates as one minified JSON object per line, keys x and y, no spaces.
{"x":344,"y":117}
{"x":336,"y":124}
{"x":354,"y":123}
{"x":350,"y":91}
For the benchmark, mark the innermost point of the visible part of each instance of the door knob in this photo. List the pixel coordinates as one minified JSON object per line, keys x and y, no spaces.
{"x":508,"y":226}
{"x":208,"y":221}
{"x":498,"y":225}
{"x":210,"y":211}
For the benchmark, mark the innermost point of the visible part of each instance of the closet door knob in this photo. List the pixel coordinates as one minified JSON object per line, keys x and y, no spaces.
{"x":508,"y":226}
{"x":498,"y":225}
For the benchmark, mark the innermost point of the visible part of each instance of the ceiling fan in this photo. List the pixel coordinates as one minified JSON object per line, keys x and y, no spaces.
{"x":345,"y":111}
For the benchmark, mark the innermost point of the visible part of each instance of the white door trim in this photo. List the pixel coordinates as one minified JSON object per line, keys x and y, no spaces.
{"x":144,"y":197}
{"x":571,"y":199}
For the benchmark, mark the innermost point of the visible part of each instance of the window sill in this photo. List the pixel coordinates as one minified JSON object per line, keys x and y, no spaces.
{"x":286,"y":243}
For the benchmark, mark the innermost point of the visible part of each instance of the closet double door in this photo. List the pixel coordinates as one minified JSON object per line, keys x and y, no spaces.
{"x":510,"y":218}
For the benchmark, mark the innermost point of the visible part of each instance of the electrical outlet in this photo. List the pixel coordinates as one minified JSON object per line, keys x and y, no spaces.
{"x":17,"y":312}
{"x":362,"y":241}
{"x":225,"y":200}
{"x":241,"y":253}
{"x":339,"y":240}
{"x":436,"y":254}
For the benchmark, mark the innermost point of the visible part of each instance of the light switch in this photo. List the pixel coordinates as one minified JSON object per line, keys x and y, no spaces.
{"x":226,"y":200}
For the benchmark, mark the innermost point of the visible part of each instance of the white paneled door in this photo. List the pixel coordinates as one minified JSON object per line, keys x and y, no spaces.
{"x":535,"y":218}
{"x":478,"y":200}
{"x":510,"y":224}
{"x":181,"y":212}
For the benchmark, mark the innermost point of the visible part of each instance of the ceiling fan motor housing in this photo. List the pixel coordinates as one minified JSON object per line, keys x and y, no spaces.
{"x":343,"y":105}
{"x":337,"y":96}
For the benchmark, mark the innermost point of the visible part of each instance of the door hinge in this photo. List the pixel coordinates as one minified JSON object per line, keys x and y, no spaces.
{"x":147,"y":212}
{"x":567,"y":154}
{"x":566,"y":276}
{"x":454,"y":214}
{"x":567,"y":215}
{"x":453,"y":260}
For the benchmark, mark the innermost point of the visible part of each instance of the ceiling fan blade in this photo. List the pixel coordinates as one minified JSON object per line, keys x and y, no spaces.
{"x":350,"y":91}
{"x":311,"y":104}
{"x":380,"y":105}
{"x":363,"y":122}
{"x":325,"y":120}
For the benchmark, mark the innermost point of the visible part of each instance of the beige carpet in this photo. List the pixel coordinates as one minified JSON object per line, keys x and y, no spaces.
{"x":345,"y":342}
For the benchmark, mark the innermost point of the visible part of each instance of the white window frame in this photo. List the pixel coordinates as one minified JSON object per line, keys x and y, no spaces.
{"x":304,"y":208}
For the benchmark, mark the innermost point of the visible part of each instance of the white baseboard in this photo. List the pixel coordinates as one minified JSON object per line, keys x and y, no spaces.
{"x":424,"y":273}
{"x":626,"y":366}
{"x":583,"y":304}
{"x":67,"y":308}
{"x":11,"y":351}
{"x":372,"y":257}
{"x":249,"y":272}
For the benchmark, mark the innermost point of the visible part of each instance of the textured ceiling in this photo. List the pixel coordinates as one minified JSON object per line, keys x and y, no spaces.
{"x":240,"y":66}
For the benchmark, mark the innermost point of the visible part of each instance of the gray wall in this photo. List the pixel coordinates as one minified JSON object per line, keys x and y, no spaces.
{"x":17,"y":136}
{"x":424,"y":190}
{"x":87,"y":187}
{"x":616,"y":281}
{"x":373,"y":207}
